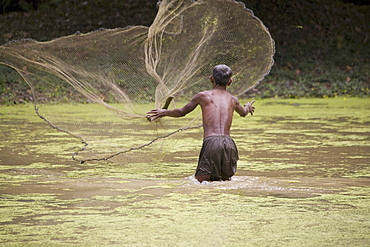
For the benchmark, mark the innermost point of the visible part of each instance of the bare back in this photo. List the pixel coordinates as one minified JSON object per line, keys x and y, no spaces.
{"x":217,"y":111}
{"x":217,"y":106}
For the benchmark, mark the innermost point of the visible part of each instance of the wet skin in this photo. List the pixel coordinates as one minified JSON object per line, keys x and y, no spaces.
{"x":217,"y":107}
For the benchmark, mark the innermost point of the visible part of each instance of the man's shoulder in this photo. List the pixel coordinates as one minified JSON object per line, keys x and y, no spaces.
{"x":202,"y":97}
{"x":211,"y":93}
{"x":203,"y":93}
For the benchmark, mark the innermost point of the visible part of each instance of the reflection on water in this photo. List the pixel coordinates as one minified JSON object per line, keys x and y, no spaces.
{"x":303,"y":169}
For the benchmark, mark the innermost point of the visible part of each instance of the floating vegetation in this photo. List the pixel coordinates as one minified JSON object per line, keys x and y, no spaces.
{"x":303,"y":180}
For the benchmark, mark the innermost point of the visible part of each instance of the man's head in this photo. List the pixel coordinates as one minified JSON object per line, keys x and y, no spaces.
{"x":222,"y":75}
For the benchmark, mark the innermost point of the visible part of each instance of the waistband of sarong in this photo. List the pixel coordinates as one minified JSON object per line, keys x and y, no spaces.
{"x":217,"y":137}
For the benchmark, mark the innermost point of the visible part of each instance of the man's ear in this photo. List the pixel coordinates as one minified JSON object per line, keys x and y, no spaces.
{"x":211,"y":78}
{"x":231,"y":80}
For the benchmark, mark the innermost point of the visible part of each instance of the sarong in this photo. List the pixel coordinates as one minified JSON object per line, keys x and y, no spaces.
{"x":218,"y":158}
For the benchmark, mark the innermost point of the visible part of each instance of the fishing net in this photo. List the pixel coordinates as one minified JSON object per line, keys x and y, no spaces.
{"x":125,"y":72}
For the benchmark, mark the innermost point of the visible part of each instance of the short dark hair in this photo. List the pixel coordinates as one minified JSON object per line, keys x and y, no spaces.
{"x":222,"y":74}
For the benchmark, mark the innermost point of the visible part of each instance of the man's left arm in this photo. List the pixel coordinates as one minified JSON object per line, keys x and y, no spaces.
{"x":243,"y":111}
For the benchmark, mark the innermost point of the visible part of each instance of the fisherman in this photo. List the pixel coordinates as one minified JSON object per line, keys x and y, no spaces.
{"x":219,"y":154}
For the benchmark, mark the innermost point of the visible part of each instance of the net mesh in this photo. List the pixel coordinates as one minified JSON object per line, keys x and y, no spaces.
{"x":127,"y":70}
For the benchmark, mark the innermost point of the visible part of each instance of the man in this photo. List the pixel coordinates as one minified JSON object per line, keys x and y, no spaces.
{"x":219,"y":155}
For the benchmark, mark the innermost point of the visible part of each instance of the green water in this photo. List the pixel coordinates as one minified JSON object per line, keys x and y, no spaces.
{"x":303,"y":179}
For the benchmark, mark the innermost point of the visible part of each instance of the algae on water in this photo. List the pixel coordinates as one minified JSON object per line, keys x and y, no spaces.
{"x":302,"y":180}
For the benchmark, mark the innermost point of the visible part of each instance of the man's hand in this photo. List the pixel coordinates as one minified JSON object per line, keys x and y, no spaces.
{"x":249,"y":107}
{"x":156,"y":113}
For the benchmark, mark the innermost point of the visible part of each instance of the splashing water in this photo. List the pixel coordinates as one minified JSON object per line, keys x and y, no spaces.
{"x":126,"y":69}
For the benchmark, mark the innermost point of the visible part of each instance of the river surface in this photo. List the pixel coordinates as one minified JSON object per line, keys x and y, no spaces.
{"x":303,"y":179}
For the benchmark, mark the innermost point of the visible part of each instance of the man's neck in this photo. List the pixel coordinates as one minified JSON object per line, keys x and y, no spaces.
{"x":219,"y":87}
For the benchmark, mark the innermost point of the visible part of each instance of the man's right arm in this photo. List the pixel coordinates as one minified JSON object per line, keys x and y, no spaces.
{"x":180,"y":112}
